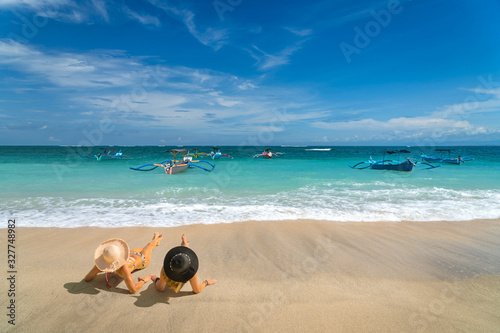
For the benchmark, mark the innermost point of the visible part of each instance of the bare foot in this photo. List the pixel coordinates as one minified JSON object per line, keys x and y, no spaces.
{"x":184,"y":241}
{"x":211,"y":282}
{"x":157,"y":238}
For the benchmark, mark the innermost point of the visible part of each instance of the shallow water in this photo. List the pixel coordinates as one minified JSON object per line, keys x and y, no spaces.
{"x":55,"y":186}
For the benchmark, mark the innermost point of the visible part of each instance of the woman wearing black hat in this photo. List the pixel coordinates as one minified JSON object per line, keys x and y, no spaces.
{"x":180,"y":266}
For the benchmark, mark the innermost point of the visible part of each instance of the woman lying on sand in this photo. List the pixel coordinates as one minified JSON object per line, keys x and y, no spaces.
{"x":113,"y":256}
{"x":180,"y":266}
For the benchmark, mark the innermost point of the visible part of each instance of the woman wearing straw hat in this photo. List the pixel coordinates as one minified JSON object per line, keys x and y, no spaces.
{"x":180,"y":266}
{"x":113,"y":256}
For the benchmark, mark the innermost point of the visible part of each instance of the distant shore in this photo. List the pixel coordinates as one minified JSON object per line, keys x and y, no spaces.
{"x":285,"y":276}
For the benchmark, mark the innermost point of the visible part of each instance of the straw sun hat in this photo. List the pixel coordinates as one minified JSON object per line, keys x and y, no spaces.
{"x":111,"y":255}
{"x":180,"y":264}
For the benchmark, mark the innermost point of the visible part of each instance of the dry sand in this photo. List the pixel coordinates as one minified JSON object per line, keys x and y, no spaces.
{"x":288,"y":276}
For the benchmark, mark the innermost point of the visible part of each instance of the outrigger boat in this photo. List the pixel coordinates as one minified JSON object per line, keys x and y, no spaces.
{"x":193,"y":154}
{"x":109,"y":154}
{"x":433,"y":159}
{"x":392,"y":164}
{"x":215,"y":154}
{"x":175,"y":166}
{"x":268,"y":154}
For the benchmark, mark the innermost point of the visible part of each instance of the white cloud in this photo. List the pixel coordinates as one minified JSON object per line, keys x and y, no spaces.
{"x":227,"y":103}
{"x":100,"y":8}
{"x":53,"y":139}
{"x":484,"y":91}
{"x":395,"y":124}
{"x":64,"y":10}
{"x":32,"y":3}
{"x":281,"y":117}
{"x":79,"y":12}
{"x":156,"y":104}
{"x":114,"y":85}
{"x":67,"y":69}
{"x":300,"y":32}
{"x":247,"y":85}
{"x":404,"y":128}
{"x":215,"y":38}
{"x":141,"y":18}
{"x":267,"y":61}
{"x":484,"y":100}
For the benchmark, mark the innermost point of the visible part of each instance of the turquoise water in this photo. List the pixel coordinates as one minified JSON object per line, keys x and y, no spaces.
{"x":55,"y":186}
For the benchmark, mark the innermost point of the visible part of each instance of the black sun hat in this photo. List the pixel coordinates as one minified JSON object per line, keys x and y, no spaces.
{"x":180,"y":264}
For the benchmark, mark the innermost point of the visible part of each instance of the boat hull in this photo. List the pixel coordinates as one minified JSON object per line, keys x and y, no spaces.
{"x":176,"y":169}
{"x":431,"y":159}
{"x":404,"y":166}
{"x":451,"y":160}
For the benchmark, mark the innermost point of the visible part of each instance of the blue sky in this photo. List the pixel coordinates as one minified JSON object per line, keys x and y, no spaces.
{"x":240,"y":72}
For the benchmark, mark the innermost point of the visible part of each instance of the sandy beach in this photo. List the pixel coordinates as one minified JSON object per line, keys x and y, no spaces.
{"x":287,"y":276}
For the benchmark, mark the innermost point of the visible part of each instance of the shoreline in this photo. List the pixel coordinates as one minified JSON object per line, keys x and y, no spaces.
{"x":280,"y":276}
{"x":302,"y":220}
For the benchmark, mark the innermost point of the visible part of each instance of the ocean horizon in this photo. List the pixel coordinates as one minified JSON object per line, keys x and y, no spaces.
{"x":54,"y":186}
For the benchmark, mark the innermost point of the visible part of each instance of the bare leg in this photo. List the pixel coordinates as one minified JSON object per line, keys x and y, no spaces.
{"x":197,"y":287}
{"x":184,"y":241}
{"x":146,"y":251}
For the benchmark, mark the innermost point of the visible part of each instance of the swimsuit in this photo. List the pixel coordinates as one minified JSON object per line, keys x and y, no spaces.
{"x":129,"y":260}
{"x":132,"y":260}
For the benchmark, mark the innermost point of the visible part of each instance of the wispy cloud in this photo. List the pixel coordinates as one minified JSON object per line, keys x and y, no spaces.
{"x":227,"y":103}
{"x":266,"y":61}
{"x":394,"y":124}
{"x":33,"y":3}
{"x":64,"y":10}
{"x":247,"y":85}
{"x":483,"y":100}
{"x":404,"y":128}
{"x":342,"y":14}
{"x":113,"y":85}
{"x":452,"y":122}
{"x":142,"y":18}
{"x":300,"y":32}
{"x":67,"y":69}
{"x":100,"y":7}
{"x":215,"y":38}
{"x":80,"y":12}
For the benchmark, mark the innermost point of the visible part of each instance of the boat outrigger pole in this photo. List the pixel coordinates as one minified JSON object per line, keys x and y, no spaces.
{"x":174,"y":166}
{"x":392,"y":164}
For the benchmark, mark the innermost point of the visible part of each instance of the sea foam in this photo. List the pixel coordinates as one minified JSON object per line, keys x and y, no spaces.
{"x":325,"y":202}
